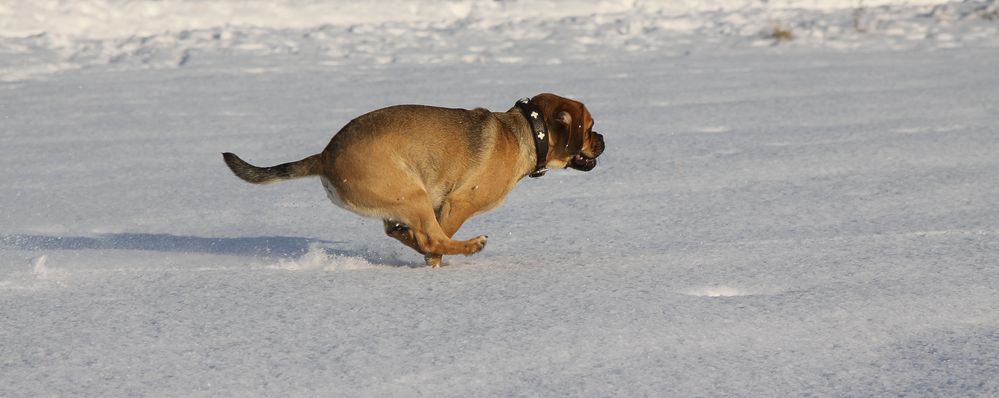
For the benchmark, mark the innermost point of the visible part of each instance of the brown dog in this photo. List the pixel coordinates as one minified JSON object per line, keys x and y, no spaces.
{"x":425,"y":170}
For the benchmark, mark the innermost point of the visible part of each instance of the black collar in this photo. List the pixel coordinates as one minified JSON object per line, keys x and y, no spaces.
{"x":538,"y":131}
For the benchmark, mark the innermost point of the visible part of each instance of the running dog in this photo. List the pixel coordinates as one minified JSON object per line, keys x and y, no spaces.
{"x":424,"y":170}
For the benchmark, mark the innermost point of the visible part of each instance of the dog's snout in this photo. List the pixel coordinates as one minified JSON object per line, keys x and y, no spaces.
{"x":598,"y":148}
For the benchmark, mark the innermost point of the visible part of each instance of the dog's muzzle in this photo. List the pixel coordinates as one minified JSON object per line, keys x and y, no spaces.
{"x":582,"y":162}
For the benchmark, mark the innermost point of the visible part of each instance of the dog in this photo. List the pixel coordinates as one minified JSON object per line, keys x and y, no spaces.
{"x":424,"y":170}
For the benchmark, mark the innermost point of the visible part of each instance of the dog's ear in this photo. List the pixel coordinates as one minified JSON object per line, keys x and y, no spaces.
{"x":571,"y":119}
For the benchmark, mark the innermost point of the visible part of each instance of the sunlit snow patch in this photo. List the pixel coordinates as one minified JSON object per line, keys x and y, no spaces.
{"x":716,"y":291}
{"x":713,"y":129}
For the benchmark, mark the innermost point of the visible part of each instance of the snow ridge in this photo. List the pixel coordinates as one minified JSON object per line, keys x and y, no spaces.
{"x":39,"y":38}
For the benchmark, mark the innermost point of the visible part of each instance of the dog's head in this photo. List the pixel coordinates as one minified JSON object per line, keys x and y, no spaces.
{"x":572,"y":142}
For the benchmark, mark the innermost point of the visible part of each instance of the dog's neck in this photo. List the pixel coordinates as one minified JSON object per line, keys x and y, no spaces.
{"x":539,"y":134}
{"x":518,"y":133}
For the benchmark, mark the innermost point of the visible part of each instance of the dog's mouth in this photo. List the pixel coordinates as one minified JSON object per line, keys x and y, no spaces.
{"x":582,"y":163}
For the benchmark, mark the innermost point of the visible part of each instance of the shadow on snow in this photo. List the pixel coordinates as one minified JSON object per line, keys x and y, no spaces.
{"x":275,"y":246}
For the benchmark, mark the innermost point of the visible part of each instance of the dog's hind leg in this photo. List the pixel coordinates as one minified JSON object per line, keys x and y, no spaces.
{"x":451,"y":215}
{"x":402,"y":233}
{"x":423,"y":228}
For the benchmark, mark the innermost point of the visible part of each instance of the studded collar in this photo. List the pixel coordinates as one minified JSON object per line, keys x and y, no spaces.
{"x":539,"y":132}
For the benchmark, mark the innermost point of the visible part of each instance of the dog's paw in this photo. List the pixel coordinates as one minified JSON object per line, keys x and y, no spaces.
{"x":433,"y":260}
{"x":476,"y":244}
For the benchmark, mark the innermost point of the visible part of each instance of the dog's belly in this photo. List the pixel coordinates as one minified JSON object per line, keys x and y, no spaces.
{"x":334,"y":196}
{"x":331,"y":193}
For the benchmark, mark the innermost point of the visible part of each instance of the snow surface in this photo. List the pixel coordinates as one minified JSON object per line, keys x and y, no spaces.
{"x":40,"y":37}
{"x":813,"y":217}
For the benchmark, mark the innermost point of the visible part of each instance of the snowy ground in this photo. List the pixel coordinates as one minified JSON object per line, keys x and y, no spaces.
{"x":817,"y":217}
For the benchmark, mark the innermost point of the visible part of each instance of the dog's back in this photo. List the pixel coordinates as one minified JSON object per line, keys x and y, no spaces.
{"x":437,"y":144}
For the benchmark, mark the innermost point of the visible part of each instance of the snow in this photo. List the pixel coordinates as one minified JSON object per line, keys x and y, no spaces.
{"x":812,"y":217}
{"x":41,"y":37}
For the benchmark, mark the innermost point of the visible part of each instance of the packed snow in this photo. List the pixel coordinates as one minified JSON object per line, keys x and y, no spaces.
{"x":798,"y":198}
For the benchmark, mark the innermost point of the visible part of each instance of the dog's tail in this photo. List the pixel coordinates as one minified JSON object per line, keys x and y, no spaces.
{"x":265,"y":175}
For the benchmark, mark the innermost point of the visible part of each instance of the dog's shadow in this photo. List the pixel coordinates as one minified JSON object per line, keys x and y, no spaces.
{"x":266,"y":246}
